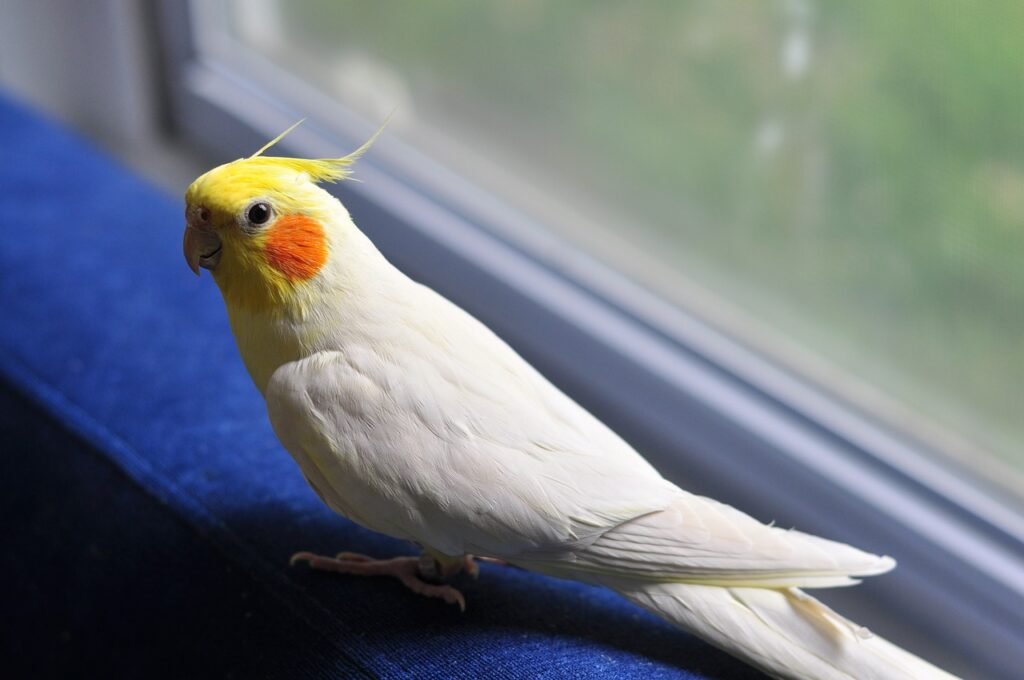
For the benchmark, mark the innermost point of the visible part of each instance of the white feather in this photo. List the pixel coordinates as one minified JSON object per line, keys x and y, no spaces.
{"x":787,"y":633}
{"x":410,"y":417}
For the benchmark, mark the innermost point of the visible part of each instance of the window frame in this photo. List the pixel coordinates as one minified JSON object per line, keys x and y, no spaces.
{"x":673,"y":386}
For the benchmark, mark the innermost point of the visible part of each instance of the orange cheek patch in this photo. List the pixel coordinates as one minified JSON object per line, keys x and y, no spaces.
{"x":296,"y":247}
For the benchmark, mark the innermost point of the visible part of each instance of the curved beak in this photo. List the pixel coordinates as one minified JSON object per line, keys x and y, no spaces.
{"x":202,"y":248}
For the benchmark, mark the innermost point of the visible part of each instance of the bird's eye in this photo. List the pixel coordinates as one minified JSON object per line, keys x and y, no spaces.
{"x":258,"y":213}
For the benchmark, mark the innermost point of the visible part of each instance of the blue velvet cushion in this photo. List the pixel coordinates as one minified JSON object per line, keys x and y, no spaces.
{"x":148,"y":511}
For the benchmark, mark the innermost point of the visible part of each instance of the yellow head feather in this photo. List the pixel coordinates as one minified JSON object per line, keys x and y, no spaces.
{"x":289,"y":185}
{"x":233,"y":184}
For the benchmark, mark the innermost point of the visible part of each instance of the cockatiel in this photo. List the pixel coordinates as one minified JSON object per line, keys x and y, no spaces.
{"x":409,"y":417}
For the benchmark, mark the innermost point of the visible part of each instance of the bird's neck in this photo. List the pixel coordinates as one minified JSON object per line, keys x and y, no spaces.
{"x":319,"y":317}
{"x":267,"y":341}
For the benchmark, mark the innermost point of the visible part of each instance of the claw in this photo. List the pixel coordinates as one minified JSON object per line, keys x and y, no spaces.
{"x":300,"y":557}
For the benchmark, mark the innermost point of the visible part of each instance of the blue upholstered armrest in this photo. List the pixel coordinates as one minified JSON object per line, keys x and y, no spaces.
{"x":148,"y":511}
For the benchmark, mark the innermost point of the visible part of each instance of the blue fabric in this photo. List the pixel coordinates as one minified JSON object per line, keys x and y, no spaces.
{"x":148,"y":512}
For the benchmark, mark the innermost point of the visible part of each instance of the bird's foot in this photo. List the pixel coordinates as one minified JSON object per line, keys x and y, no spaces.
{"x":413,"y":572}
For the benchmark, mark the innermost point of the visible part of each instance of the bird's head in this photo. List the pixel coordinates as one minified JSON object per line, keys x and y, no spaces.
{"x":264,"y":228}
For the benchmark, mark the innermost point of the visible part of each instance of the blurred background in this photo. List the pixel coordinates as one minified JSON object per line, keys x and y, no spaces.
{"x":840,"y":184}
{"x":837,"y":185}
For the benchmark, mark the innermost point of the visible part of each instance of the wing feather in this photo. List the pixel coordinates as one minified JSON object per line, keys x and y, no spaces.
{"x":444,"y":435}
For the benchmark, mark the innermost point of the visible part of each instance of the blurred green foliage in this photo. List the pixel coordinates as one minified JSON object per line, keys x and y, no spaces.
{"x":850,"y":173}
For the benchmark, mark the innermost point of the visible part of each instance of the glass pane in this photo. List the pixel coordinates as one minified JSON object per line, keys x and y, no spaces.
{"x":850,"y":176}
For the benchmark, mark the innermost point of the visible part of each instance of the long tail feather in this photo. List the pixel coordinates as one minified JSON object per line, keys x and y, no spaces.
{"x":785,"y":632}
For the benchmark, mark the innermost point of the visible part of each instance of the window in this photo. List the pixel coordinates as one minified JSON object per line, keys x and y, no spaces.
{"x":832,"y":184}
{"x":780,"y":239}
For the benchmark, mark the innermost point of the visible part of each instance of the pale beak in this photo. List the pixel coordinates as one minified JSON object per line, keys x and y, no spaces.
{"x":202,"y":247}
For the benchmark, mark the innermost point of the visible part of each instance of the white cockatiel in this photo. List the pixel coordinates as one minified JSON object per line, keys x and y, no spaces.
{"x":411,"y":418}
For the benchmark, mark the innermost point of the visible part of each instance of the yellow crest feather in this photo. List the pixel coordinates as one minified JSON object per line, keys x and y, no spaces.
{"x":277,"y":139}
{"x":318,"y":169}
